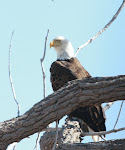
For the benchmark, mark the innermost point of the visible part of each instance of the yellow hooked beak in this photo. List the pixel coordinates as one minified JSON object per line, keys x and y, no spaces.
{"x":52,"y":44}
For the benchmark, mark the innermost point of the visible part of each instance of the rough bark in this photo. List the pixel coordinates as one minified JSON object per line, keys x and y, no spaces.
{"x":48,"y":139}
{"x":89,"y":91}
{"x":69,"y":133}
{"x":107,"y":145}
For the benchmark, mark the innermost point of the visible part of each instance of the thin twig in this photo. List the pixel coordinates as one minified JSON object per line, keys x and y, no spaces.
{"x":44,"y":82}
{"x":118,"y":114}
{"x":36,"y":146}
{"x":107,"y":106}
{"x":106,"y":26}
{"x":46,"y":38}
{"x":11,"y":82}
{"x":103,"y":138}
{"x":54,"y":146}
{"x":102,"y":133}
{"x":43,"y":70}
{"x":88,"y":133}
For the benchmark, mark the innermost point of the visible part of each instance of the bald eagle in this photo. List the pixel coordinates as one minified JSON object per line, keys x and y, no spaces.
{"x":67,"y":68}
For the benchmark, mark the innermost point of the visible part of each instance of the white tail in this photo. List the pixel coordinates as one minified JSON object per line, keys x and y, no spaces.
{"x":95,"y":138}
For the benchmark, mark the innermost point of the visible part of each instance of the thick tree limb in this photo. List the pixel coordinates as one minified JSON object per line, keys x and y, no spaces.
{"x":106,"y":145}
{"x":48,"y":139}
{"x":89,"y":91}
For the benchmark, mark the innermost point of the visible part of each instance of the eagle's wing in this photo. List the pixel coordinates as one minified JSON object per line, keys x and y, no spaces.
{"x":93,"y":116}
{"x":64,"y":71}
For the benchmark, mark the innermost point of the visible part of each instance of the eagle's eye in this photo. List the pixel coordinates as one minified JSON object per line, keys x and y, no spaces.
{"x":58,"y":41}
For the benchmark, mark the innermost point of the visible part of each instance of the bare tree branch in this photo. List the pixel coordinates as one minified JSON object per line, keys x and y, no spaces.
{"x":103,"y":132}
{"x":43,"y":70}
{"x":106,"y":26}
{"x":105,"y":145}
{"x":37,"y":141}
{"x":119,"y":114}
{"x":72,"y":133}
{"x":44,"y":82}
{"x":56,"y":137}
{"x":50,"y":129}
{"x":88,"y":133}
{"x":85,"y":92}
{"x":12,"y":87}
{"x":11,"y":82}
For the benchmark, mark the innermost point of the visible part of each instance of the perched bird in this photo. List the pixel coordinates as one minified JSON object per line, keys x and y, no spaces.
{"x":67,"y":68}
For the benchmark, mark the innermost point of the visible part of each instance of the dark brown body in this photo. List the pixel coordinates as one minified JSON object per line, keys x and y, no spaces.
{"x":64,"y":71}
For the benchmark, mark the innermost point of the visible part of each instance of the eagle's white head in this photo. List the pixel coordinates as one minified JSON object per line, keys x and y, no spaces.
{"x":63,"y":48}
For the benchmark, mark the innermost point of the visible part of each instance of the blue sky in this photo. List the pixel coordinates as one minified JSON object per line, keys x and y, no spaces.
{"x":78,"y":21}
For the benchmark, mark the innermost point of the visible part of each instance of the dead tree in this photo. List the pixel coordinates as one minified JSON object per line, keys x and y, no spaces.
{"x":89,"y":91}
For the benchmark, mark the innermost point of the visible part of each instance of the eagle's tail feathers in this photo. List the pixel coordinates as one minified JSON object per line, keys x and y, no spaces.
{"x":95,"y":138}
